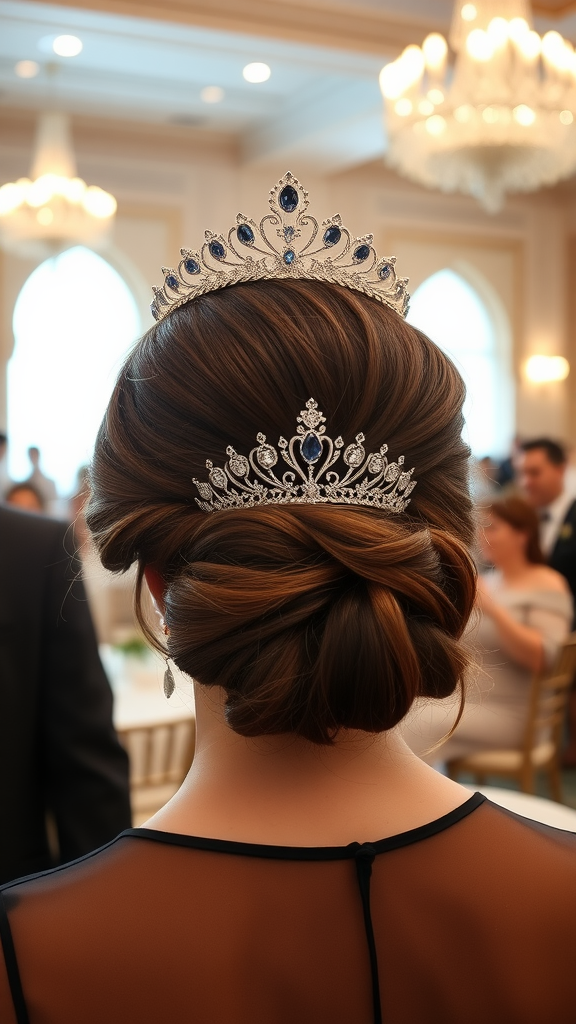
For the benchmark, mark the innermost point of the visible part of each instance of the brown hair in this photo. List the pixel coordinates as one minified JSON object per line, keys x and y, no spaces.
{"x":312,"y":617}
{"x":521,"y":516}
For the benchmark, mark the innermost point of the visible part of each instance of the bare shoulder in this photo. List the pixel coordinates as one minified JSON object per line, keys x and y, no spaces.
{"x":546,"y":578}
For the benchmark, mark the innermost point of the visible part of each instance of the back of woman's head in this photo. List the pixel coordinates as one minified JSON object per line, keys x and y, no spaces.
{"x":521,"y":517}
{"x":313,"y":617}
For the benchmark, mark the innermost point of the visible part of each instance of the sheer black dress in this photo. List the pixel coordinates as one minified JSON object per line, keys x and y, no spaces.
{"x":470,"y":919}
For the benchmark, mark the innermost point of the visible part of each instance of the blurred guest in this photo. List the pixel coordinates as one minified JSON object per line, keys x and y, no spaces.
{"x":525,"y":614}
{"x":43,"y":484}
{"x":506,"y":474}
{"x":59,"y":754}
{"x":542,"y":476}
{"x":4,"y":477}
{"x":24,"y":495}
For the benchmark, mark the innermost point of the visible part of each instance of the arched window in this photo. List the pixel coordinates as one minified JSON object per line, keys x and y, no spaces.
{"x":452,"y":313}
{"x":74,"y":321}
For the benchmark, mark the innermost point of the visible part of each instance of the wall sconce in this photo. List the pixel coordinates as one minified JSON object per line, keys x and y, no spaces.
{"x":545,"y":369}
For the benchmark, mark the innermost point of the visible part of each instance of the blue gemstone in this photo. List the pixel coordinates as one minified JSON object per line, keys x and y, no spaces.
{"x":288,"y":199}
{"x":289,"y":257}
{"x":311,"y":448}
{"x":332,"y":235}
{"x":245,"y":234}
{"x":172,"y":282}
{"x":361,"y":253}
{"x":385,"y":271}
{"x":191,"y":267}
{"x":217,"y":250}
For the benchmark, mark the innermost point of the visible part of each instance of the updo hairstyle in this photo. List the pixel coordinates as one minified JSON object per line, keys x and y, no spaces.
{"x":313,"y":618}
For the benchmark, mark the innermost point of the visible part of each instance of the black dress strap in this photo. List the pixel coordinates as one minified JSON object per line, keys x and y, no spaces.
{"x":12,"y":966}
{"x":364,"y":856}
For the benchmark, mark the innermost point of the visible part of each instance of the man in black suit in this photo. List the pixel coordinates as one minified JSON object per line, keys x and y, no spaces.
{"x":542,"y":470}
{"x":60,"y":759}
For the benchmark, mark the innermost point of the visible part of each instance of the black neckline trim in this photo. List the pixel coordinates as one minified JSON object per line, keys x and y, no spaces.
{"x":319,"y":853}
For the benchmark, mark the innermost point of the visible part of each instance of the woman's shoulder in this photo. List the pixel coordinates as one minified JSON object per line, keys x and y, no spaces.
{"x":548,"y":579}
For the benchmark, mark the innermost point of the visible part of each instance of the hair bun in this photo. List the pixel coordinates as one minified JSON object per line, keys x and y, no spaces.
{"x":317,"y":618}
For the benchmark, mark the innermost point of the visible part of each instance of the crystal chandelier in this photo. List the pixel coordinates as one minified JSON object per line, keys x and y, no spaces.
{"x":497,"y":118}
{"x":53,"y":208}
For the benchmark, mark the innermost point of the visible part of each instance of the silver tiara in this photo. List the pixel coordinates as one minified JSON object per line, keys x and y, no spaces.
{"x":369,"y":480}
{"x":284,"y":245}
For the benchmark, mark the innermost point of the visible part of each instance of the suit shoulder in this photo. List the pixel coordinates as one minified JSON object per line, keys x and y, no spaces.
{"x":19,"y":530}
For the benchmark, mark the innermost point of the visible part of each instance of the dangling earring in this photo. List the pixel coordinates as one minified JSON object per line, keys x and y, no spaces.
{"x":169,"y":684}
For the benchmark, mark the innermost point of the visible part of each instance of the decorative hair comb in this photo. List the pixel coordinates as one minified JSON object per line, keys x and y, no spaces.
{"x":287,"y":243}
{"x":369,"y":479}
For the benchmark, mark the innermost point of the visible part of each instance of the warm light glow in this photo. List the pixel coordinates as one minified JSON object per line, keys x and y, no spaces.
{"x":212,"y":94}
{"x":498,"y":31}
{"x":67,"y":46}
{"x":412,"y":64}
{"x":491,"y":115}
{"x":403,"y":107}
{"x":479,"y":45}
{"x":12,"y":195}
{"x":552,"y":46}
{"x":529,"y":44}
{"x":45,"y":216}
{"x":426,"y":108}
{"x":436,"y":125}
{"x":518,"y":29}
{"x":436,"y":96}
{"x":256,"y":72}
{"x":464,"y":113}
{"x":390,"y":81}
{"x":99,"y":203}
{"x":468,"y":12}
{"x":27,"y":69}
{"x":400,"y":75}
{"x":544,"y":369}
{"x":524,"y":115}
{"x":566,"y":116}
{"x":435,"y":49}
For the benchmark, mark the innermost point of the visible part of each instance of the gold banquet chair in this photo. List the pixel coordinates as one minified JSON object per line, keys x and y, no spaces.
{"x":160,"y":756}
{"x":540,"y":750}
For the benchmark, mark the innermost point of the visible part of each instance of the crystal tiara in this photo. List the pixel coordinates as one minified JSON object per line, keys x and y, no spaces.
{"x":369,"y":479}
{"x":285,"y":244}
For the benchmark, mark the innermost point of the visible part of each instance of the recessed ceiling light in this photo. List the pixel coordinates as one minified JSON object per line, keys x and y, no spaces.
{"x":212,"y":94}
{"x":67,"y":46}
{"x":27,"y":69}
{"x":256,"y":72}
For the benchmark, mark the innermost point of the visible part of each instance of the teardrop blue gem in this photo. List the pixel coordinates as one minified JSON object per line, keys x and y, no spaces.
{"x":332,"y":235}
{"x":361,"y":253}
{"x":172,"y":282}
{"x":288,"y":199}
{"x":385,"y":272}
{"x":217,"y":250}
{"x":311,"y":448}
{"x":245,"y":234}
{"x":191,"y":267}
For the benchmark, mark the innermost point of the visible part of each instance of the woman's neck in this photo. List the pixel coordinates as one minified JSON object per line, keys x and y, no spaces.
{"x":514,"y":567}
{"x":284,"y":790}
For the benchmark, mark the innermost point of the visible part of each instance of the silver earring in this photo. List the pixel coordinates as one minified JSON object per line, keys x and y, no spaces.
{"x":169,"y":684}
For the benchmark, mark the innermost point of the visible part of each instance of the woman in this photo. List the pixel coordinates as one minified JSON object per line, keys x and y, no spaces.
{"x":310,"y":868}
{"x":526,"y":614}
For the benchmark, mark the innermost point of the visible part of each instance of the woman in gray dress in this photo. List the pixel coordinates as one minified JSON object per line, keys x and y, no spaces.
{"x":525,"y":615}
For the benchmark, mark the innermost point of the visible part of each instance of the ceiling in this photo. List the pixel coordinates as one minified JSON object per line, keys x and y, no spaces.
{"x":145,"y":62}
